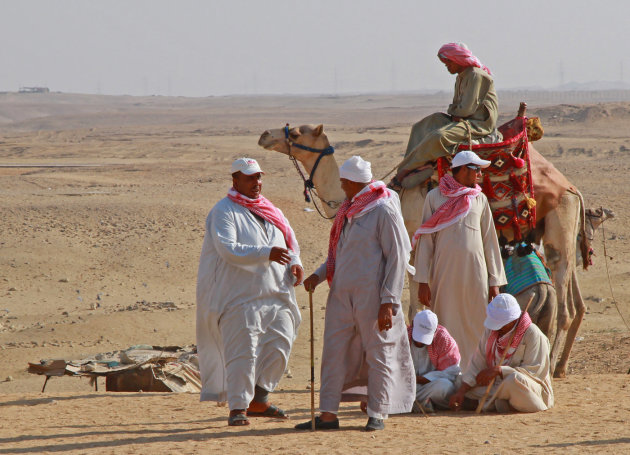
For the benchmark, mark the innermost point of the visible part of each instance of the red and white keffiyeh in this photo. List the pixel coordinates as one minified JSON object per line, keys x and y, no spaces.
{"x":449,"y":213}
{"x":461,"y":55}
{"x":443,"y":351}
{"x":263,"y":207}
{"x":366,"y":200}
{"x":495,"y":346}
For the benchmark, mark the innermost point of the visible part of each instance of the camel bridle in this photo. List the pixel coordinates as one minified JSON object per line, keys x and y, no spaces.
{"x":309,"y":186}
{"x":589,"y":219}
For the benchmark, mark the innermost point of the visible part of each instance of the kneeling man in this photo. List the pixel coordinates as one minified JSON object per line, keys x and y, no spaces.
{"x":523,"y":381}
{"x":436,"y":359}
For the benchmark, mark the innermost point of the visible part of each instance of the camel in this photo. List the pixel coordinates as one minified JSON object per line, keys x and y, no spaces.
{"x":558,"y":231}
{"x":595,"y":218}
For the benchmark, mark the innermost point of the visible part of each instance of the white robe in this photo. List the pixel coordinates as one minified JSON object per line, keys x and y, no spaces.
{"x":459,"y":263}
{"x":443,"y":383}
{"x":526,"y":383}
{"x":247,"y":315}
{"x":371,"y":261}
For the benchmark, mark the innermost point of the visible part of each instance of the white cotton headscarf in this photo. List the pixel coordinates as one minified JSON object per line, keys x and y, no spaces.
{"x":356,"y":169}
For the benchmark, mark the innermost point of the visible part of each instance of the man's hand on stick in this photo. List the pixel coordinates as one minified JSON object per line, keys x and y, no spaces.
{"x":385,"y":316}
{"x":485,"y":376}
{"x":311,"y":282}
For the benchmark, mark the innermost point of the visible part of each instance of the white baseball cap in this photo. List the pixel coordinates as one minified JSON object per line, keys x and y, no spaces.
{"x":468,"y":157}
{"x":247,"y":166}
{"x":356,"y":169}
{"x":502,"y":310}
{"x":424,"y":326}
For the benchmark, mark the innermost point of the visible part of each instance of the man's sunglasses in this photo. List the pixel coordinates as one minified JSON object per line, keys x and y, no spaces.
{"x":473,"y":167}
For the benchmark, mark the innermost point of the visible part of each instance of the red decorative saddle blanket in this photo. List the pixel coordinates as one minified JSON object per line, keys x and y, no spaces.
{"x":507,"y":182}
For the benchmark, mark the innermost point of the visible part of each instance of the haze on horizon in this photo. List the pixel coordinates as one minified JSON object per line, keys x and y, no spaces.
{"x":201,"y":48}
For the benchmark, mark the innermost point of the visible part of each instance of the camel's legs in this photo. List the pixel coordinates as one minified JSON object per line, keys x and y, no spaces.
{"x":561,"y":368}
{"x":561,"y":229}
{"x":543,"y":308}
{"x":411,"y":204}
{"x":555,"y":348}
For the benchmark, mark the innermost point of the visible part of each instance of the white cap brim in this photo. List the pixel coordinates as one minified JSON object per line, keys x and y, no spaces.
{"x":421,"y":336}
{"x":469,"y":157}
{"x":494,"y":324}
{"x":481,"y":163}
{"x":252,"y":171}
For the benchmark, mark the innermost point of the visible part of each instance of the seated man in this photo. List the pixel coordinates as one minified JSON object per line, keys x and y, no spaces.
{"x":523,"y":382}
{"x":435,"y":361}
{"x":474,"y":109}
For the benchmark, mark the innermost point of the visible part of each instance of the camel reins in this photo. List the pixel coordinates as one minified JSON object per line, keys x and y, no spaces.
{"x":309,"y":186}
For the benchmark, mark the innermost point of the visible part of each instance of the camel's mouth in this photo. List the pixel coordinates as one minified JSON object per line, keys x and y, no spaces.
{"x":266,"y":140}
{"x":269,"y":142}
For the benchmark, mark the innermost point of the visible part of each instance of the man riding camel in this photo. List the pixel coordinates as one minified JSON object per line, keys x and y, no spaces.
{"x":474,"y":111}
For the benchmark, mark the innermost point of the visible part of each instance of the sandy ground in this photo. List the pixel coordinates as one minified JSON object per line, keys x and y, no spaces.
{"x":90,"y":254}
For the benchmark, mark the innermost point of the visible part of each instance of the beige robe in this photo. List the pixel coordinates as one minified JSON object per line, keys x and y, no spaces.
{"x":526,"y":383}
{"x":459,"y":263}
{"x":474,"y":100}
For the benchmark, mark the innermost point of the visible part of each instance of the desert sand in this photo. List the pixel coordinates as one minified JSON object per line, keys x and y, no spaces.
{"x":92,"y":249}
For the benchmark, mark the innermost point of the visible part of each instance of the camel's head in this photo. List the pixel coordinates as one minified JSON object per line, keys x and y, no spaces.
{"x":597,"y":216}
{"x":280,"y":140}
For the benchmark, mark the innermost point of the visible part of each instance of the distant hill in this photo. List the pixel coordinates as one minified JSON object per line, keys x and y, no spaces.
{"x":594,"y":86}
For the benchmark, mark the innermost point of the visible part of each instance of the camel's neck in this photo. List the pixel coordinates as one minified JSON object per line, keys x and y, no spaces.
{"x":326,"y":182}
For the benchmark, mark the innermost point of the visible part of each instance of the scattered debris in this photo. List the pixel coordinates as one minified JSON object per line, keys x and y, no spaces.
{"x":143,"y":305}
{"x":139,"y":368}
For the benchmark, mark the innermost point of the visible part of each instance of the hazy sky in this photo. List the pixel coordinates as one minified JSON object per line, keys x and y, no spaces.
{"x":201,"y":48}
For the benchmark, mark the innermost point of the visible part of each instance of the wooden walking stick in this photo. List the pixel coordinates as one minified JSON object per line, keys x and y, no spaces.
{"x":310,"y":304}
{"x":485,"y":395}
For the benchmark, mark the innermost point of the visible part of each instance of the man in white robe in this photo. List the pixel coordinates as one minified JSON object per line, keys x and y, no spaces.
{"x":458,"y":262}
{"x":435,"y":360}
{"x":247,"y":315}
{"x":365,"y":339}
{"x":523,"y":380}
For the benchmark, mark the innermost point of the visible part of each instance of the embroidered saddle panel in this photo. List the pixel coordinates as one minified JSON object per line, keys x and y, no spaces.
{"x":507,"y":182}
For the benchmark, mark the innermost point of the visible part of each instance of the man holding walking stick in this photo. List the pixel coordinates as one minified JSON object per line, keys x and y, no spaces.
{"x":365,"y":338}
{"x":522,"y":382}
